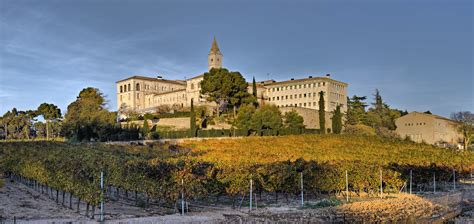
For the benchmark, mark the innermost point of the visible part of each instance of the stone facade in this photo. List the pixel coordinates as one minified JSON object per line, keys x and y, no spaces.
{"x":145,"y":94}
{"x":432,"y":129}
{"x":310,"y":116}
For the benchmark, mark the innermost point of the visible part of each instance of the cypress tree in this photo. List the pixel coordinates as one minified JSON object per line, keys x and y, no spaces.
{"x":337,"y":121}
{"x":254,"y":87}
{"x":193,"y":120}
{"x":322,"y":117}
{"x":145,"y":129}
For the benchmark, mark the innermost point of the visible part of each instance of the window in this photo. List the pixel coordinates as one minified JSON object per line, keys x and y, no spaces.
{"x":129,"y":89}
{"x":138,"y":95}
{"x":278,"y":98}
{"x":324,"y":83}
{"x":120,"y":97}
{"x":291,"y":96}
{"x":286,"y":97}
{"x":212,"y":60}
{"x":125,"y":88}
{"x":304,"y":95}
{"x":314,"y":104}
{"x":137,"y":87}
{"x":192,"y":85}
{"x":304,"y":104}
{"x":300,"y":95}
{"x":121,"y":89}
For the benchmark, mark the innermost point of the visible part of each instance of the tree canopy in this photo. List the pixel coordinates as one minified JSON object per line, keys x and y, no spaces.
{"x":293,"y":120}
{"x":87,"y":118}
{"x":466,"y":126}
{"x":225,"y":88}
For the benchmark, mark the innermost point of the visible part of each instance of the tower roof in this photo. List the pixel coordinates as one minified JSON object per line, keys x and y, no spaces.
{"x":214,"y":47}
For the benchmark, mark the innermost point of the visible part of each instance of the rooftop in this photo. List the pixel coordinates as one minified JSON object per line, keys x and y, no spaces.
{"x":178,"y":82}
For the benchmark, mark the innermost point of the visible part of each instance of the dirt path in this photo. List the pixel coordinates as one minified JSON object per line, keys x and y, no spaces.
{"x":20,"y":202}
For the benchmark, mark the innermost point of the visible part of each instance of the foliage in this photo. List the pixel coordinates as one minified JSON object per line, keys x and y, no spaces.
{"x":356,"y":113}
{"x":359,"y":129}
{"x":322,"y":114}
{"x":193,"y":119}
{"x":267,"y":117}
{"x":225,"y":166}
{"x":87,"y":118}
{"x":17,"y":124}
{"x":337,"y":120}
{"x":293,"y":120}
{"x":50,"y":113}
{"x":244,"y":117}
{"x":380,"y":115}
{"x":225,"y":88}
{"x":466,"y":126}
{"x":145,"y":128}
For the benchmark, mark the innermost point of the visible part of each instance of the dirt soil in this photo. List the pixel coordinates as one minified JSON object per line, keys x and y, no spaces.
{"x":30,"y":206}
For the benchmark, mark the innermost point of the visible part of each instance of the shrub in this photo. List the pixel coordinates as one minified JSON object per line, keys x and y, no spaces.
{"x":359,"y":129}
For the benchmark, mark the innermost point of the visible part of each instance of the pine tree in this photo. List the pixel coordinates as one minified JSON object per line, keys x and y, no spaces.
{"x":193,"y":120}
{"x":322,"y":117}
{"x":337,"y":121}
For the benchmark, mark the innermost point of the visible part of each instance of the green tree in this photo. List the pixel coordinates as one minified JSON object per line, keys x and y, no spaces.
{"x":225,"y":88}
{"x":466,"y":126}
{"x":193,"y":120}
{"x":337,"y":120}
{"x":87,"y":118}
{"x":293,"y":120}
{"x":356,"y":113}
{"x":18,"y":124}
{"x":322,"y":114}
{"x":244,"y":117}
{"x":267,"y":117}
{"x":145,"y":129}
{"x":381,"y":115}
{"x":50,"y":113}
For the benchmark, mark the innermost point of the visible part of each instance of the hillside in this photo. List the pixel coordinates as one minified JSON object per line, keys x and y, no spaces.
{"x":327,"y":148}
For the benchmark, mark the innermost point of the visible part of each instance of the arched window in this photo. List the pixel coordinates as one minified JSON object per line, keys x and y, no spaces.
{"x":137,"y":88}
{"x":129,"y":88}
{"x":125,"y":88}
{"x":121,"y":89}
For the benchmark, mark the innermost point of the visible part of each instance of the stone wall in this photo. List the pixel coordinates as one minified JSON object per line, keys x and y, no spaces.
{"x":310,"y":116}
{"x":176,"y":123}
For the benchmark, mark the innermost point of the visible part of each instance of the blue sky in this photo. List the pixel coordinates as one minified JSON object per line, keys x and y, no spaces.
{"x":418,"y":53}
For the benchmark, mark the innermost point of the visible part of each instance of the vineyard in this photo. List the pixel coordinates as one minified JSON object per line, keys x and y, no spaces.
{"x":213,"y":168}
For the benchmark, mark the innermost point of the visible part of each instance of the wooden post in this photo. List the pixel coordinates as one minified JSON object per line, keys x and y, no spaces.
{"x":251,"y":194}
{"x":182,"y":197}
{"x":302,"y":189}
{"x":381,"y":184}
{"x":347,"y":187}
{"x":411,"y":179}
{"x":101,"y":196}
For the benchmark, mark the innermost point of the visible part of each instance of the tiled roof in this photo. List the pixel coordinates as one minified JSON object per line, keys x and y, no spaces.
{"x":177,"y":82}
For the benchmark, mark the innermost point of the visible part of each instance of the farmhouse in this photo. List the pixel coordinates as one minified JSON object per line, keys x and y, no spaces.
{"x":429,"y":128}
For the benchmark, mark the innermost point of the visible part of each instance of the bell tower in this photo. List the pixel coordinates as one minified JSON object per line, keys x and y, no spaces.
{"x":214,"y":59}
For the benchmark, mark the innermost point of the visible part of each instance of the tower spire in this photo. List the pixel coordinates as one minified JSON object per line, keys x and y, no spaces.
{"x":214,"y":47}
{"x":214,"y":59}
